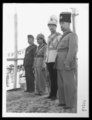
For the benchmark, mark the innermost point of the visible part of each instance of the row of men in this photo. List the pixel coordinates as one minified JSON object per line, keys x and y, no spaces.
{"x":59,"y":56}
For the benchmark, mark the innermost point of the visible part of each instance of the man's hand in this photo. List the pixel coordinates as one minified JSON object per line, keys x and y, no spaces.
{"x":67,"y":67}
{"x":44,"y":66}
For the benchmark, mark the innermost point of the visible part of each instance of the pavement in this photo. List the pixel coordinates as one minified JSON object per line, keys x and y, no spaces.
{"x":19,"y":101}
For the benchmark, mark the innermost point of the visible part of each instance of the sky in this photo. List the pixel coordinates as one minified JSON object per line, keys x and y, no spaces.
{"x":33,"y":19}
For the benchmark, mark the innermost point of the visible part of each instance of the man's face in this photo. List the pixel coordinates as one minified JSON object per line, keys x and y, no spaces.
{"x":40,"y":41}
{"x":52,"y":27}
{"x":64,"y":26}
{"x":30,"y":40}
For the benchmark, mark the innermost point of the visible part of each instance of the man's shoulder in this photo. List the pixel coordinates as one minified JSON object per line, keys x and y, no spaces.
{"x":31,"y":47}
{"x":59,"y":36}
{"x":72,"y":34}
{"x":27,"y":47}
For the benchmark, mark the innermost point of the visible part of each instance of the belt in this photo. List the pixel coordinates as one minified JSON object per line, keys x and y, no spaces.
{"x":62,"y":49}
{"x":51,"y":48}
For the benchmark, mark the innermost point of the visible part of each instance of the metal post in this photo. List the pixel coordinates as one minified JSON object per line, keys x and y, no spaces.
{"x":74,"y":14}
{"x":15,"y":46}
{"x":73,"y":19}
{"x":74,"y":30}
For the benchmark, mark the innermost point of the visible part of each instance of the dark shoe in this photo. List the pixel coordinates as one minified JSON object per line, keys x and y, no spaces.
{"x":66,"y":107}
{"x":53,"y":98}
{"x":31,"y":91}
{"x":49,"y":97}
{"x":25,"y":91}
{"x":62,"y":105}
{"x":38,"y":94}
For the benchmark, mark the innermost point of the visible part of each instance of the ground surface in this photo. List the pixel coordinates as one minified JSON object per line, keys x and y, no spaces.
{"x":18,"y":101}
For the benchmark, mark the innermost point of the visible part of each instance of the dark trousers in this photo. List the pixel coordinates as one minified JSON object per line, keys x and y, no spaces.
{"x":53,"y":79}
{"x":29,"y":79}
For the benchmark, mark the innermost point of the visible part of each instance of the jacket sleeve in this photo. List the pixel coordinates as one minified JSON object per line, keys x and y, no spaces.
{"x":33,"y":54}
{"x":34,"y":51}
{"x":72,"y":49}
{"x":24,"y":58}
{"x":44,"y":52}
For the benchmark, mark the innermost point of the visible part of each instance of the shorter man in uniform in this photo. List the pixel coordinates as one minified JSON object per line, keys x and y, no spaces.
{"x":40,"y":66}
{"x":29,"y":64}
{"x":66,"y":63}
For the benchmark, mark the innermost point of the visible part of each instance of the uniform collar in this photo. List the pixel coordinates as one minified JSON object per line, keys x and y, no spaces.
{"x":40,"y":46}
{"x":53,"y":33}
{"x":31,"y":45}
{"x":67,"y":31}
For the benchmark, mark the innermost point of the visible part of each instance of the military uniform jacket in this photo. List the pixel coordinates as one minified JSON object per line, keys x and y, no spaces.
{"x":67,"y":49}
{"x":29,"y":55}
{"x":51,"y":51}
{"x":40,"y":56}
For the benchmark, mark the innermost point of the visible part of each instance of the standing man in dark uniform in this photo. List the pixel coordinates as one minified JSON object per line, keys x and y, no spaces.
{"x":29,"y":63}
{"x":66,"y":63}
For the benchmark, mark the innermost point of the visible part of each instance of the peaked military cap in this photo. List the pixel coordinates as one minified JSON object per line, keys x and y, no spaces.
{"x":65,"y":17}
{"x":30,"y":36}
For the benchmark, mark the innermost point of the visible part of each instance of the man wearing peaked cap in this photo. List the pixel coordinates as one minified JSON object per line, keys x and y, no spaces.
{"x":28,"y":64}
{"x":51,"y":56}
{"x":66,"y":63}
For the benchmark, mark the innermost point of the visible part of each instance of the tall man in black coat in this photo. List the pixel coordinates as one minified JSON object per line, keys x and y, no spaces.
{"x":28,"y":64}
